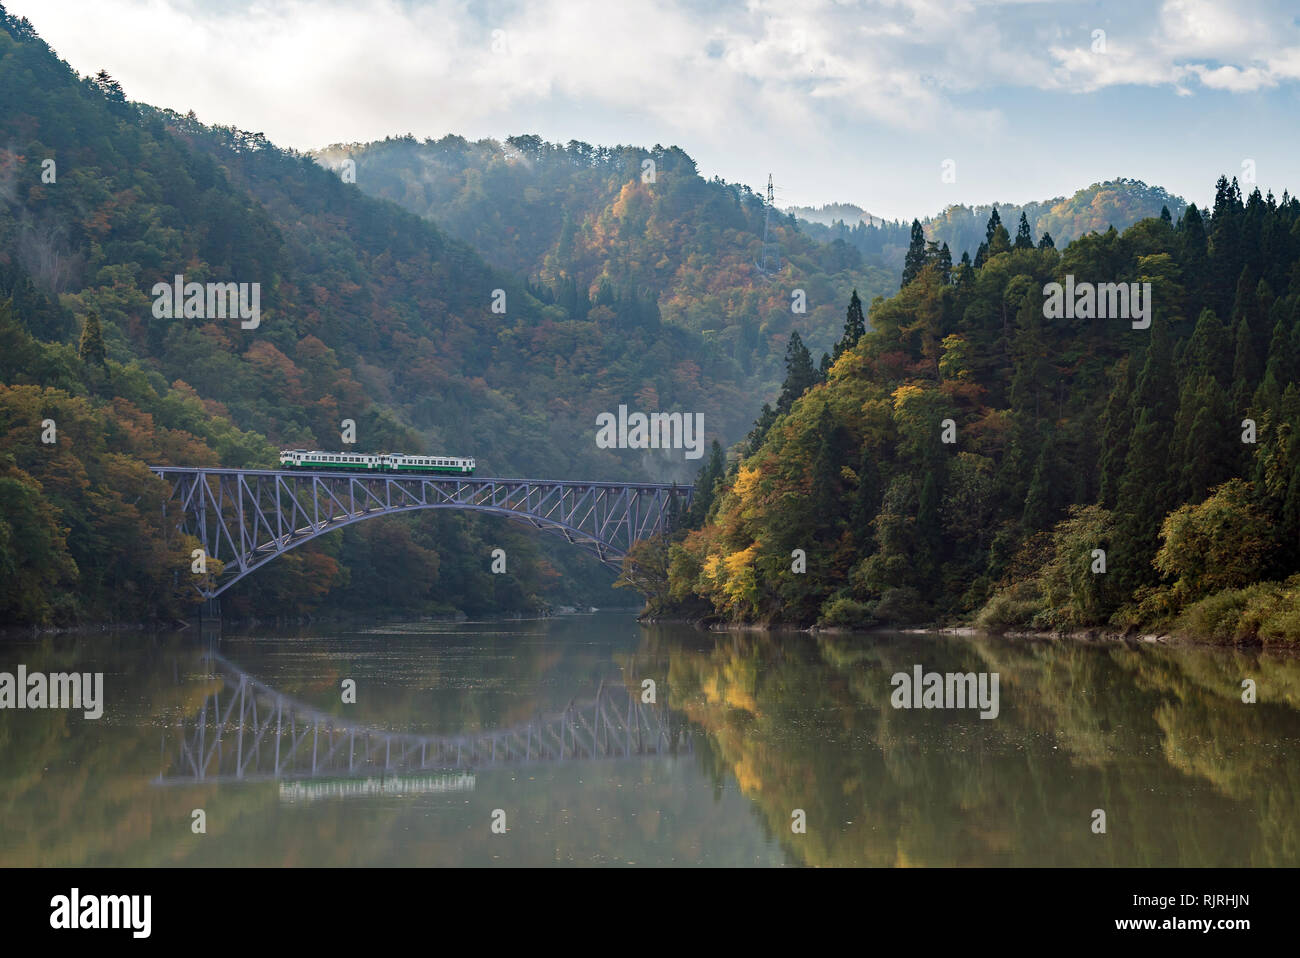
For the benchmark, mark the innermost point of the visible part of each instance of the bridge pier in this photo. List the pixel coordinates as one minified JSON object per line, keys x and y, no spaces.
{"x":210,"y":619}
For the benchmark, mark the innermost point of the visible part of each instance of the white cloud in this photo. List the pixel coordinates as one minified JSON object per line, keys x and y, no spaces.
{"x":754,"y":82}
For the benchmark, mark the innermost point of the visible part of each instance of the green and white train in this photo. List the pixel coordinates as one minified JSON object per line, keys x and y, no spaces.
{"x":386,"y":462}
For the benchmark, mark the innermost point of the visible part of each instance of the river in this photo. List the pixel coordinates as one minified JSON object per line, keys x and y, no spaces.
{"x":533,"y":743}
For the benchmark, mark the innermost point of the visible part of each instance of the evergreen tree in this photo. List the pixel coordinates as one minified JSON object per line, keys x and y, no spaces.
{"x":855,"y":326}
{"x":1210,"y":349}
{"x":1023,"y":238}
{"x":1246,"y":367}
{"x":762,"y":424}
{"x":1205,"y":443}
{"x":1145,"y":489}
{"x":965,"y":272}
{"x":111,"y":89}
{"x":1047,"y":492}
{"x":1046,"y":241}
{"x":823,"y":498}
{"x":1116,"y":427}
{"x":799,"y":373}
{"x":915,"y":259}
{"x":992,"y":226}
{"x":866,"y":502}
{"x":944,"y":262}
{"x":1279,"y":370}
{"x":1000,"y":241}
{"x":91,"y":348}
{"x":1227,"y":256}
{"x":705,"y":483}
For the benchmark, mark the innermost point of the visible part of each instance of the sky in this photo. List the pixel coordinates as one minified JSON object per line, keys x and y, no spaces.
{"x":900,"y":106}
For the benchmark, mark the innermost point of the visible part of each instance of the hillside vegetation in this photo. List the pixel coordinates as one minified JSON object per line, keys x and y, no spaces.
{"x":591,"y":222}
{"x":368,"y":313}
{"x":1169,"y":449}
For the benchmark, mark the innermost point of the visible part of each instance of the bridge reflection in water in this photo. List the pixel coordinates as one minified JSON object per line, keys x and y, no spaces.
{"x":249,"y":732}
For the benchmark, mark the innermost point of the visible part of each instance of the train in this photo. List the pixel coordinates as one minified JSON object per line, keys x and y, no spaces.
{"x":383,"y":462}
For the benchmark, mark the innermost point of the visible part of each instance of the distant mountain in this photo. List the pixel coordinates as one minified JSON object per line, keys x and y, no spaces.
{"x":1119,"y":203}
{"x":588,"y":222}
{"x":830,"y":214}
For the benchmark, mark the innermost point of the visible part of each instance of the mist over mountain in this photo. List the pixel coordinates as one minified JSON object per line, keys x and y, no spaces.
{"x":830,"y":214}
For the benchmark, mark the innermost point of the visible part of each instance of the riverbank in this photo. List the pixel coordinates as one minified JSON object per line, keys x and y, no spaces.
{"x":1082,"y":635}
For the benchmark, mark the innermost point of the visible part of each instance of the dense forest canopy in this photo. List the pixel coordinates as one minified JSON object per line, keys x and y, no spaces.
{"x":977,"y":455}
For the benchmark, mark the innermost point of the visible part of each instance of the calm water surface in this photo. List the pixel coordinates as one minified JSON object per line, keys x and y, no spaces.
{"x":543,"y":722}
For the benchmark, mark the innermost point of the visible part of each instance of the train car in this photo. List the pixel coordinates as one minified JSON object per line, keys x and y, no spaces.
{"x":400,"y":462}
{"x":314,"y":459}
{"x":385,"y":462}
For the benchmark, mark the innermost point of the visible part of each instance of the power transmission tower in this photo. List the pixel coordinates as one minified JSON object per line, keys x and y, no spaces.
{"x":771,"y":262}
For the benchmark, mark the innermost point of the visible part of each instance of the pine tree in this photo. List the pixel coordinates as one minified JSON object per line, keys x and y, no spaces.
{"x":1023,"y":238}
{"x":1046,"y":490}
{"x":1279,"y":370}
{"x":762,"y":424}
{"x":915,"y":259}
{"x":1227,"y":256}
{"x":1145,"y":490}
{"x":1046,"y":241}
{"x":1116,"y":428}
{"x":944,"y":262}
{"x":1203,"y":450}
{"x":799,"y":373}
{"x":91,"y":348}
{"x":705,"y":484}
{"x":1000,"y":241}
{"x":111,"y":89}
{"x":965,"y":272}
{"x":866,"y":502}
{"x":823,"y":498}
{"x":1210,"y":349}
{"x":1246,"y":367}
{"x":855,"y":326}
{"x":992,"y":226}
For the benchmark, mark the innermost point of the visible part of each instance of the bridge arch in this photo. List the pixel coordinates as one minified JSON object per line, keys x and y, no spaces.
{"x":245,"y":518}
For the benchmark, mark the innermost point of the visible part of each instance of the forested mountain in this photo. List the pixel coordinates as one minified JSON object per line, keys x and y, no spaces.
{"x":595,"y":223}
{"x":1119,"y":203}
{"x":831,"y":213}
{"x":368,"y":313}
{"x":981,"y":454}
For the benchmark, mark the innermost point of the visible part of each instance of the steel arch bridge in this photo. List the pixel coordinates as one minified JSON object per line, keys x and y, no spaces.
{"x":247,"y":731}
{"x":244,"y":518}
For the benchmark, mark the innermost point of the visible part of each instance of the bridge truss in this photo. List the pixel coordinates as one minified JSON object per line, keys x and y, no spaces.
{"x":244,"y":518}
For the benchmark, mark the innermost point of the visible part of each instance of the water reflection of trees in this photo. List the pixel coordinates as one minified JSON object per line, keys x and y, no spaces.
{"x":1157,"y":736}
{"x":1140,"y":732}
